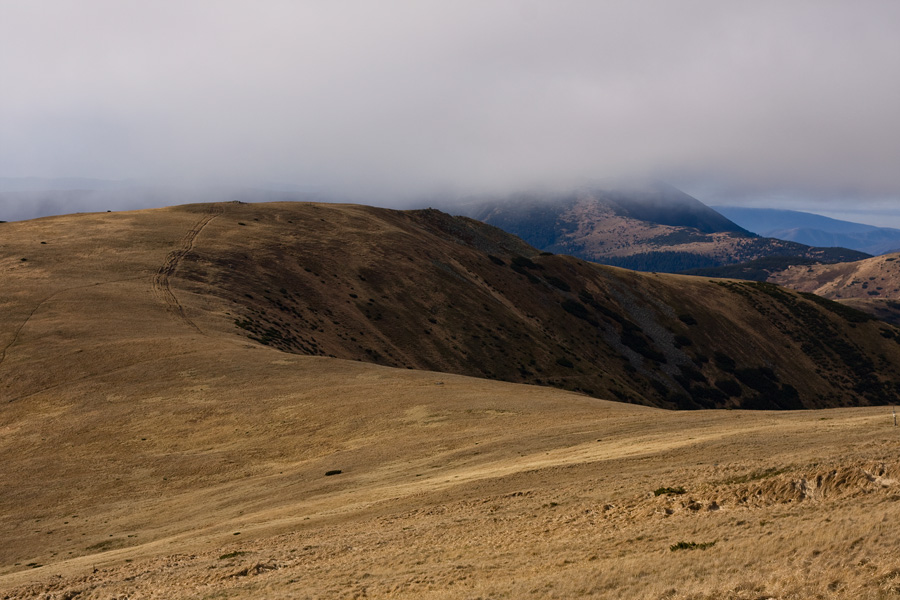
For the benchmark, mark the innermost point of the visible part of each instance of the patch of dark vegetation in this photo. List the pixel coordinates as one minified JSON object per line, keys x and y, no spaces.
{"x":521,"y":262}
{"x":706,"y":396}
{"x":682,"y":341}
{"x":755,"y":270}
{"x":754,"y":476}
{"x":682,"y":401}
{"x":681,"y":236}
{"x":687,"y":319}
{"x":496,"y":261}
{"x":234,"y":554}
{"x":664,"y":261}
{"x":691,"y":546}
{"x":846,"y":312}
{"x":101,"y":546}
{"x":729,"y":386}
{"x":724,"y":362}
{"x":669,"y":491}
{"x":565,"y":362}
{"x":692,"y":374}
{"x":558,"y":283}
{"x":761,"y":379}
{"x":577,"y":309}
{"x":333,"y":472}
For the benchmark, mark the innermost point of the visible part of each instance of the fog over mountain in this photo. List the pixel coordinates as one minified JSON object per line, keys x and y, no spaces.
{"x":383,"y":102}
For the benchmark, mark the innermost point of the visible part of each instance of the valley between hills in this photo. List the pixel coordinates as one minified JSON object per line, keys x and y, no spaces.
{"x":300,"y":400}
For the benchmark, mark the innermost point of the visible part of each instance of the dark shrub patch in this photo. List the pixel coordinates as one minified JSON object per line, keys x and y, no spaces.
{"x":729,"y":386}
{"x":640,"y":343}
{"x":707,"y":397}
{"x":669,"y":491}
{"x":682,"y":340}
{"x":577,"y":309}
{"x":724,"y":362}
{"x":849,"y":314}
{"x":687,"y":319}
{"x":558,"y":283}
{"x":524,"y":263}
{"x":691,"y":546}
{"x":761,"y":379}
{"x":692,"y":374}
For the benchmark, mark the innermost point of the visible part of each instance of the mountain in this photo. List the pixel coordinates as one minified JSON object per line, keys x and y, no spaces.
{"x":814,"y":230}
{"x":646,"y":227}
{"x":174,"y":427}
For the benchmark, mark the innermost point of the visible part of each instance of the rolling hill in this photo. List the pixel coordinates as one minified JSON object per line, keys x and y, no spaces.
{"x":217,"y":401}
{"x":424,"y":290}
{"x":871,"y":285}
{"x":814,"y":230}
{"x":646,"y":227}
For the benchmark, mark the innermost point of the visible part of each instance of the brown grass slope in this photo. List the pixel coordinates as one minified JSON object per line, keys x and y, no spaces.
{"x":424,"y":290}
{"x":872,"y":285}
{"x":150,"y":450}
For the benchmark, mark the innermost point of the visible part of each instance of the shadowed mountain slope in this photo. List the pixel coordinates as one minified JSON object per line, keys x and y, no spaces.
{"x":649,"y":227}
{"x":424,"y":290}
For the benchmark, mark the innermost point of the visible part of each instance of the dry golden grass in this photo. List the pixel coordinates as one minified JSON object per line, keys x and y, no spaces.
{"x":152,"y":452}
{"x":872,"y":285}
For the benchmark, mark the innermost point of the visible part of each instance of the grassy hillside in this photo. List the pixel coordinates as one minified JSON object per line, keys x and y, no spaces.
{"x":871,"y":285}
{"x":423,"y":290}
{"x":152,"y":448}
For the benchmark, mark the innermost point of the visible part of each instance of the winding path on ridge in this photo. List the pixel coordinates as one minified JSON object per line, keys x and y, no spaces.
{"x":161,"y":286}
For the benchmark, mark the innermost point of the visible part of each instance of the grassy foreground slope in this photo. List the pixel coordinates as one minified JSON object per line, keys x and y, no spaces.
{"x":150,"y":449}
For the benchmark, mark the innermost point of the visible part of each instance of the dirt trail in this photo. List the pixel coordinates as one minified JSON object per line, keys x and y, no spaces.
{"x":161,"y":287}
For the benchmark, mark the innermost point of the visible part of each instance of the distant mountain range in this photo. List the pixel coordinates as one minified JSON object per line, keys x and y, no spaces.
{"x":814,"y":230}
{"x":645,"y":226}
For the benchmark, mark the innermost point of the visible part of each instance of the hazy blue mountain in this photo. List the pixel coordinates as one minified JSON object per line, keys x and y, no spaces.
{"x":814,"y":230}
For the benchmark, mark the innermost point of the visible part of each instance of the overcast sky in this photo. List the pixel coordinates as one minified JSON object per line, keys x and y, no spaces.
{"x":762,"y":102}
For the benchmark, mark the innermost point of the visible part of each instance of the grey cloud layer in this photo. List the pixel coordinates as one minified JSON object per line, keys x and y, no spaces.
{"x":401,"y":97}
